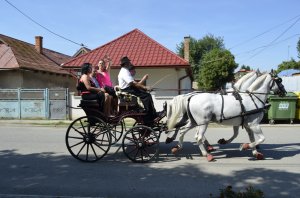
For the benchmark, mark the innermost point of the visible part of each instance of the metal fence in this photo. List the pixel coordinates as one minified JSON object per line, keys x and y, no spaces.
{"x":33,"y":104}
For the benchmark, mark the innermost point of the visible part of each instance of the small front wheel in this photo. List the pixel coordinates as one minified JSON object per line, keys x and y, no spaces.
{"x":140,"y":144}
{"x":88,"y":139}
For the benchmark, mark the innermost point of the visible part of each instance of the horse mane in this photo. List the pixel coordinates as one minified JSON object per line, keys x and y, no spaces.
{"x":240,"y":81}
{"x":257,"y":83}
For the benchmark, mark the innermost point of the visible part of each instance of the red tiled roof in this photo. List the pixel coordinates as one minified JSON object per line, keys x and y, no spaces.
{"x":140,"y":49}
{"x":16,"y":54}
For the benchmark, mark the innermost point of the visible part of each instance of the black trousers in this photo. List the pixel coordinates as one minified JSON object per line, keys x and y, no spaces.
{"x":95,"y":96}
{"x":147,"y":101}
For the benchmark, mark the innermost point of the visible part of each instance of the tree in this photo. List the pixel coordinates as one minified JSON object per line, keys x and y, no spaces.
{"x":198,"y":48}
{"x":247,"y":68}
{"x":292,"y":64}
{"x":217,"y":68}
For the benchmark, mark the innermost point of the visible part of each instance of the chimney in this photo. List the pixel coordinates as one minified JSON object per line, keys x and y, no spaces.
{"x":186,"y":48}
{"x":39,"y":44}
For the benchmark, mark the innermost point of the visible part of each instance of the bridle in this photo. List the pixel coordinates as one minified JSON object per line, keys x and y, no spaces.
{"x":281,"y":90}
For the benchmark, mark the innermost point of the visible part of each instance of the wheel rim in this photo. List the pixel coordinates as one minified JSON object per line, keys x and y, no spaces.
{"x":88,"y":140}
{"x":140,"y":144}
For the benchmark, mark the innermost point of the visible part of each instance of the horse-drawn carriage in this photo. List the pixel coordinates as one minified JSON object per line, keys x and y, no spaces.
{"x":90,"y":137}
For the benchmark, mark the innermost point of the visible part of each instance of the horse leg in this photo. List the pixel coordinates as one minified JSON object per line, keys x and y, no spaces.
{"x":235,"y":134}
{"x":173,"y":137}
{"x":208,"y":146}
{"x":179,"y":146}
{"x":182,"y":122}
{"x":200,"y":142}
{"x":261,"y":138}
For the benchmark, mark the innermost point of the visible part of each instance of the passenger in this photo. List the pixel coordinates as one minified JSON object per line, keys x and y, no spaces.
{"x":104,"y":80}
{"x":108,"y":110}
{"x":128,"y":84}
{"x":104,"y":69}
{"x":88,"y":89}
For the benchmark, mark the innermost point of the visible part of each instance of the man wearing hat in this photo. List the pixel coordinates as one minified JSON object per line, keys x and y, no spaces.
{"x":128,"y":84}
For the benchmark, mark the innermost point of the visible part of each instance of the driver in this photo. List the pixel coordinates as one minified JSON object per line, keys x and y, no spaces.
{"x":129,"y":85}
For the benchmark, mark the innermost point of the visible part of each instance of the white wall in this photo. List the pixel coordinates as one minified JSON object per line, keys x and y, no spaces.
{"x":291,"y":83}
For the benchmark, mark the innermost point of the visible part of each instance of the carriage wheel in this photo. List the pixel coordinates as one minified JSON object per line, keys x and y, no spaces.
{"x":116,"y":131}
{"x":88,"y":139}
{"x":140,"y":144}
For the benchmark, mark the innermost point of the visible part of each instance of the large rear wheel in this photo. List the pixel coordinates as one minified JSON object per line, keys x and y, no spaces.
{"x":88,"y":139}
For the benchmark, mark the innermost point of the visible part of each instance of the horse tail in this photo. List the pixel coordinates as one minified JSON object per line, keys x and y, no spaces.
{"x":176,"y":107}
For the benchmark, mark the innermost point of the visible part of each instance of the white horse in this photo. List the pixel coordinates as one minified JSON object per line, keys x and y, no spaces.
{"x":206,"y":107}
{"x":240,"y":86}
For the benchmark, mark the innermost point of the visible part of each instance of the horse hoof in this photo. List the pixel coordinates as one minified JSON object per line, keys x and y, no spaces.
{"x":222,"y":141}
{"x":210,"y":158}
{"x":259,"y":156}
{"x":175,"y":149}
{"x":210,"y":148}
{"x":244,"y":147}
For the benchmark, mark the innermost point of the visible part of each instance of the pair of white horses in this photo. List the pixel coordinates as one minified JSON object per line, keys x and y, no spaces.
{"x":197,"y":110}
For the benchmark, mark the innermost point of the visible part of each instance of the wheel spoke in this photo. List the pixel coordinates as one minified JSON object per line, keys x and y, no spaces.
{"x":77,"y":144}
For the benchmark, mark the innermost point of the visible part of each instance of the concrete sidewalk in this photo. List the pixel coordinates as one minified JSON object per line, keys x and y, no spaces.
{"x":36,"y":122}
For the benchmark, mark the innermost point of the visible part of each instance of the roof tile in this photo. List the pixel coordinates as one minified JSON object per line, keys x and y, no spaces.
{"x":141,"y":50}
{"x":23,"y":55}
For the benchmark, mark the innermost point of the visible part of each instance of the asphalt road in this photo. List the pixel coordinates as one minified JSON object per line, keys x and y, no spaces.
{"x":34,"y":162}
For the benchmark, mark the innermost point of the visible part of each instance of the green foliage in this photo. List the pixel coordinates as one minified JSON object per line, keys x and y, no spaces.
{"x":198,"y":48}
{"x":217,"y":68}
{"x":292,"y":64}
{"x":250,"y":193}
{"x":248,"y":68}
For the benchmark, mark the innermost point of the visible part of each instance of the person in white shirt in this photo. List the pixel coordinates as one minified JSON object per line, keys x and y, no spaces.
{"x":128,"y":84}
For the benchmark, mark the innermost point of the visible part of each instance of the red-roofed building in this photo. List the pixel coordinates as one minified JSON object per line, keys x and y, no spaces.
{"x":23,"y":65}
{"x":167,"y":71}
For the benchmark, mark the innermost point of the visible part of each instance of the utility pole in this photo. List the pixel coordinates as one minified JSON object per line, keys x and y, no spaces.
{"x":288,"y":57}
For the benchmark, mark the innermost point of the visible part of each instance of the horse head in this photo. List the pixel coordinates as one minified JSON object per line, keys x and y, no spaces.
{"x":278,"y":87}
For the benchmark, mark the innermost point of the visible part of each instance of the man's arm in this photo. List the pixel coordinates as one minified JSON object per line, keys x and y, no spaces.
{"x":139,"y":86}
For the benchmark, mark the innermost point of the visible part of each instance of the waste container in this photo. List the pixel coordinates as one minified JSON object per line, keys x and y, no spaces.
{"x":282,"y":108}
{"x":297,"y":116}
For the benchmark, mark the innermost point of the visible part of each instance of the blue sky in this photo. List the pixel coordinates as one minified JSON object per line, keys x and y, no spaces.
{"x":246,"y":26}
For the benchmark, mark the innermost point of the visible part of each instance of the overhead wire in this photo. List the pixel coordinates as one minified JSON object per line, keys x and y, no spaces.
{"x":253,"y":50}
{"x":274,"y":40}
{"x":267,"y":31}
{"x":31,"y":19}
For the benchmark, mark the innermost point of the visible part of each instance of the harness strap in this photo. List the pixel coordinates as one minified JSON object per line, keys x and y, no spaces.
{"x":243,"y":110}
{"x":189,"y":112}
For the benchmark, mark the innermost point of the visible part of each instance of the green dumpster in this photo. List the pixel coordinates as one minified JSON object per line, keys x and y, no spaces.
{"x":282,"y":108}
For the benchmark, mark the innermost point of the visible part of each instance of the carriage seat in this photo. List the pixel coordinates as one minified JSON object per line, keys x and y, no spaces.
{"x":127,"y":99}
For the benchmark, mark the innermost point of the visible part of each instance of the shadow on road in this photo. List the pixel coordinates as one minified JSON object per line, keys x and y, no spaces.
{"x":116,"y":176}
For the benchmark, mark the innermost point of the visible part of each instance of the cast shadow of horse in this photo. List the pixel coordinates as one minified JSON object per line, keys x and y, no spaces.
{"x":192,"y":151}
{"x":271,"y":151}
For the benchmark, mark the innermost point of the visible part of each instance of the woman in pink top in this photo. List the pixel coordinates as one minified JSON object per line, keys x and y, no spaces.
{"x":104,"y":72}
{"x":103,"y":77}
